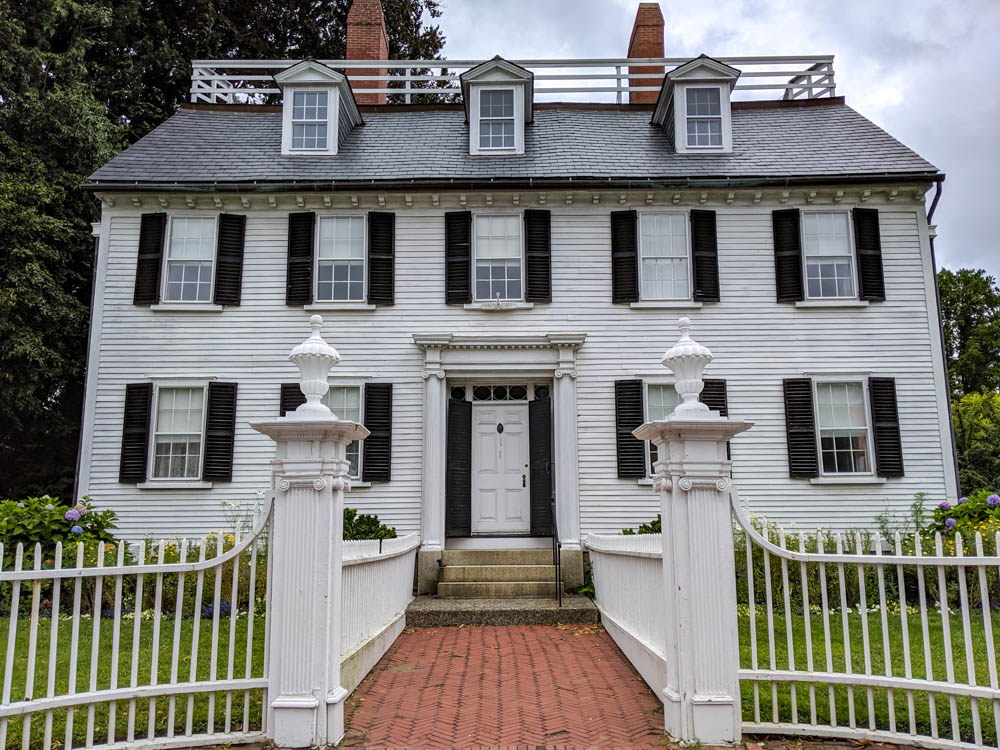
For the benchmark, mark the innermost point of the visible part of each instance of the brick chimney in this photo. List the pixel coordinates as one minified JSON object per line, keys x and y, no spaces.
{"x":646,"y":41}
{"x":367,"y":40}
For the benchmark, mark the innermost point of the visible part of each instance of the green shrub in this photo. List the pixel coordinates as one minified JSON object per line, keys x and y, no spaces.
{"x":363,"y":526}
{"x":46,"y":521}
{"x":978,"y":512}
{"x":653,"y":527}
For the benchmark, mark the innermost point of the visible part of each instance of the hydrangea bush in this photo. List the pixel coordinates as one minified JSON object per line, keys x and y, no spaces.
{"x":47,"y":520}
{"x":977,"y":512}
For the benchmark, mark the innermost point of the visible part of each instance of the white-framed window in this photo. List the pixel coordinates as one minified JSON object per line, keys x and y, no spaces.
{"x":178,"y":431}
{"x":190,"y":259}
{"x":310,"y":120}
{"x":843,"y":426}
{"x":498,"y":257}
{"x":704,"y":116}
{"x":664,"y":258}
{"x":340,"y":259}
{"x":828,"y":248}
{"x":661,"y":398}
{"x":496,"y":119}
{"x":345,"y":402}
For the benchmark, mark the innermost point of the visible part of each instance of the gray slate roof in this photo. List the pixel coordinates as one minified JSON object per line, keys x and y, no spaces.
{"x":205,"y":146}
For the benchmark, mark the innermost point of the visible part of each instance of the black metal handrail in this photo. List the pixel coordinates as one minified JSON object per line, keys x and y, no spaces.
{"x":556,"y":550}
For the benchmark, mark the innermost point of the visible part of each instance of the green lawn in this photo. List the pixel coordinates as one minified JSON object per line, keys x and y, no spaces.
{"x":876,"y":708}
{"x":137,"y":711}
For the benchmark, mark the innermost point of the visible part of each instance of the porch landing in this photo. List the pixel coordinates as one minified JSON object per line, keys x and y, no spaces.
{"x":566,"y":686}
{"x":432,"y":611}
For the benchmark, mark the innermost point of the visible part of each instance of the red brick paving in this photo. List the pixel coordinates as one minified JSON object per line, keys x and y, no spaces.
{"x":529,"y":686}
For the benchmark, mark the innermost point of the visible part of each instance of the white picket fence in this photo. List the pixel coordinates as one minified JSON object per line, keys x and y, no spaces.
{"x":94,"y":648}
{"x":378,"y":584}
{"x":898,"y":645}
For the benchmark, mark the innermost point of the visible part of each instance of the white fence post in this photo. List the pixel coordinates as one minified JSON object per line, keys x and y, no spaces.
{"x":702,"y":696}
{"x":310,"y":476}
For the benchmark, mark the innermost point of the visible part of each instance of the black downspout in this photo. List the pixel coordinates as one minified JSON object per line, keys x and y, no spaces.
{"x":940,"y":320}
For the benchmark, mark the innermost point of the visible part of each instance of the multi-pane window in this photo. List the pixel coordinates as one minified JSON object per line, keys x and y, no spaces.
{"x":826,"y":239}
{"x":340,"y":259}
{"x":704,"y":117}
{"x":663,"y":249}
{"x":190,"y":257}
{"x":498,"y":257}
{"x":345,"y":402}
{"x":496,"y":118}
{"x":660,"y":402}
{"x":177,"y":433}
{"x":842,"y":421}
{"x":310,"y":120}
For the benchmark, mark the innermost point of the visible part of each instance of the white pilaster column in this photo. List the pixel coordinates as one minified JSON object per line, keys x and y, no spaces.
{"x":435,"y":447}
{"x":310,"y":477}
{"x":564,"y":449}
{"x":702,"y":696}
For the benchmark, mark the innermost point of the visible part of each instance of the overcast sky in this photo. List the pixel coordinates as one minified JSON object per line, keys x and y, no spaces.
{"x":925,"y":71}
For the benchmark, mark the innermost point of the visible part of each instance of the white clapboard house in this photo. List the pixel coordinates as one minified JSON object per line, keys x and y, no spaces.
{"x":501,"y":271}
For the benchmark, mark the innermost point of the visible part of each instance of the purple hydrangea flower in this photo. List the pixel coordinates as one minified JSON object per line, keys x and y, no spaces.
{"x":945,"y":505}
{"x":963,"y":500}
{"x":72,"y":515}
{"x":950,"y":523}
{"x":993,"y":500}
{"x":76,"y":529}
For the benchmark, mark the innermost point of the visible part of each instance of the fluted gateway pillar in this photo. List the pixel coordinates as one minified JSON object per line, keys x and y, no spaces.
{"x":692,"y":477}
{"x":310,"y":477}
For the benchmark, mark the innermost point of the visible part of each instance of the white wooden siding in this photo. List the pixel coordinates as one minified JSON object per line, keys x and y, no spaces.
{"x":756,"y":343}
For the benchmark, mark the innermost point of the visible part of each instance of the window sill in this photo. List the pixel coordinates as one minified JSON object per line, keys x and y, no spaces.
{"x":820,"y":303}
{"x":186,"y":307}
{"x":167,"y":484}
{"x":339,"y":306}
{"x":493,"y":307}
{"x":647,"y":482}
{"x":356,"y":483}
{"x":848,"y":480}
{"x":666,"y":305}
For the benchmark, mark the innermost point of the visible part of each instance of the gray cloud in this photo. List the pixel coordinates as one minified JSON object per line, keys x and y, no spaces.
{"x":921,"y":69}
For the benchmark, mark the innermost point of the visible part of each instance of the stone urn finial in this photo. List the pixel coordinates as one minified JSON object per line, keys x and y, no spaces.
{"x":314,"y":358}
{"x":687,"y":359}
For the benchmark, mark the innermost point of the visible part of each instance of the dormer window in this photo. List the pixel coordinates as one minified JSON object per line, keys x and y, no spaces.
{"x":694,"y":109}
{"x":497,"y":97}
{"x":318,"y":109}
{"x":704,"y":116}
{"x":310,"y":120}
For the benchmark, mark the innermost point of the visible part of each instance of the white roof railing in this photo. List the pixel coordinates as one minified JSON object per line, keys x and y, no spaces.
{"x":610,"y":79}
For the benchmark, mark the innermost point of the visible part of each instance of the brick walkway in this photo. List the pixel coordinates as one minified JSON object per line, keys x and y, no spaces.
{"x":531,"y":686}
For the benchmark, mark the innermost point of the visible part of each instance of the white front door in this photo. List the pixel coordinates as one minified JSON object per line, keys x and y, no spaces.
{"x":500,"y":488}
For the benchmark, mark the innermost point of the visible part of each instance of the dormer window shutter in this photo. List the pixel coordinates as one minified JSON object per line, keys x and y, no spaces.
{"x":538,"y":255}
{"x":786,"y":226}
{"x":229,"y":259}
{"x":800,"y":429}
{"x":220,"y":432}
{"x":135,"y":433}
{"x":868,"y":249}
{"x":299,"y":278}
{"x":629,"y":414}
{"x":381,"y":257}
{"x":152,"y":229}
{"x":705,"y":256}
{"x":458,"y":257}
{"x":885,"y":427}
{"x":624,"y":257}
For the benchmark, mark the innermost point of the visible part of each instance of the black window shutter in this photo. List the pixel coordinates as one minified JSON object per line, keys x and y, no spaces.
{"x":458,"y":257}
{"x":458,"y":475}
{"x":540,"y":462}
{"x":229,"y":259}
{"x":885,"y":426}
{"x":152,"y":229}
{"x":624,"y":256}
{"x":628,"y":417}
{"x":291,"y":398}
{"x":135,"y":433}
{"x":538,"y":255}
{"x":298,"y":282}
{"x":800,"y":427}
{"x":705,"y":253}
{"x":377,"y":447}
{"x":220,"y":432}
{"x":713,"y":395}
{"x":381,"y":257}
{"x":787,"y":254}
{"x":868,"y":250}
